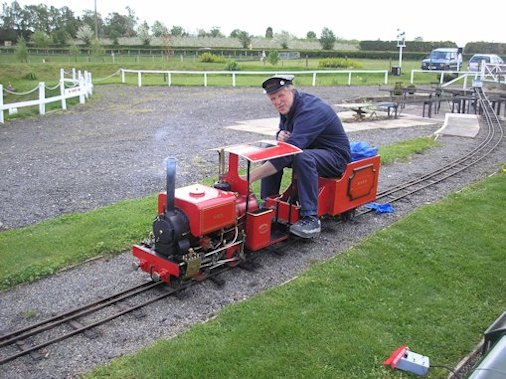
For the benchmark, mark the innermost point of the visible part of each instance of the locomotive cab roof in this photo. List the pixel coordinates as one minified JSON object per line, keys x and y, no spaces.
{"x":261,"y":150}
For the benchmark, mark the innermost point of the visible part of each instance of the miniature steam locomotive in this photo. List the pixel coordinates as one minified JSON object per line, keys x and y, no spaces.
{"x":199,"y":228}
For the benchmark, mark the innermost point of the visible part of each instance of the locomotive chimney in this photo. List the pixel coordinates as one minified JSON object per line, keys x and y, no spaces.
{"x":171,"y":184}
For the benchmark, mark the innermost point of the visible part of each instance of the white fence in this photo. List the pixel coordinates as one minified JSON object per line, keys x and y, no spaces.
{"x":78,"y":85}
{"x":488,"y":73}
{"x":234,"y":74}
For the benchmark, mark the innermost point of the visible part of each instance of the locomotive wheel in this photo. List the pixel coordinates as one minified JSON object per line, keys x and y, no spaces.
{"x":347,"y":216}
{"x":234,"y":254}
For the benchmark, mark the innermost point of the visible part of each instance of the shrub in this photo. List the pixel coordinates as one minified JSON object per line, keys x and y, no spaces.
{"x":211,"y":58}
{"x":273,"y":58}
{"x":339,"y":63}
{"x":232,"y":66}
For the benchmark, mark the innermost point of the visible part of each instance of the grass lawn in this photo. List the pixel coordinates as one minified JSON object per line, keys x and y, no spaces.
{"x":30,"y":253}
{"x":434,"y":281}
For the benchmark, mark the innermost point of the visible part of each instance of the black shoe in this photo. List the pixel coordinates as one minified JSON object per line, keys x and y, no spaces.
{"x":306,"y":227}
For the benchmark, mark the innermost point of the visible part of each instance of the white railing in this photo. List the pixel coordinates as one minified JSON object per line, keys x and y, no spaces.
{"x":78,"y":85}
{"x":234,"y":74}
{"x":489,"y":72}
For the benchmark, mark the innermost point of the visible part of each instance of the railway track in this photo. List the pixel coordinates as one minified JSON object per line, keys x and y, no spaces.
{"x":34,"y":338}
{"x":494,"y":135}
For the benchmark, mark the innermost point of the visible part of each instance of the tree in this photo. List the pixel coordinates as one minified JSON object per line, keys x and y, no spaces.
{"x":159,"y":29}
{"x":67,"y":22}
{"x":235,"y":33}
{"x":74,"y":50}
{"x":143,"y":34}
{"x":60,"y":37}
{"x":327,"y":39}
{"x":97,"y":50}
{"x":85,"y":34}
{"x":123,"y":25}
{"x":283,"y":38}
{"x":311,"y":35}
{"x":244,"y":38}
{"x":269,"y":33}
{"x":22,"y":50}
{"x":215,"y":32}
{"x":177,"y":31}
{"x":40,"y":39}
{"x":273,"y":58}
{"x":93,"y":21}
{"x":13,"y":18}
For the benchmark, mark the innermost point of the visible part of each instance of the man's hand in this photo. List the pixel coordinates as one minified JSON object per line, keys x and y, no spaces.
{"x":283,"y":135}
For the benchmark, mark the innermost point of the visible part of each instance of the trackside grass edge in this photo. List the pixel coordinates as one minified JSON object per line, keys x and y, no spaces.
{"x":434,"y":281}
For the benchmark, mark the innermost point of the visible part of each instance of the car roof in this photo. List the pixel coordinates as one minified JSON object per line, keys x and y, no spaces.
{"x":484,"y":55}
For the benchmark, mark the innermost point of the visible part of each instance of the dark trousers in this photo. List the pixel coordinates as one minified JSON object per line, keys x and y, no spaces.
{"x":307,"y":166}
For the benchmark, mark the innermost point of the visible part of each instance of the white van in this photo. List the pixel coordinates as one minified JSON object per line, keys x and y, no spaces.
{"x":448,"y":58}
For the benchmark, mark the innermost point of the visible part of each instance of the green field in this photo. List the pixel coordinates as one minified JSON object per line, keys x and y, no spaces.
{"x":25,"y":77}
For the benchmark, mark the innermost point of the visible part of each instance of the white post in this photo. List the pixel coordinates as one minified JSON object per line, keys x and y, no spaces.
{"x":400,"y":44}
{"x":62,"y":74}
{"x":139,"y":79}
{"x":205,"y":79}
{"x":82,"y":90}
{"x":349,"y":78}
{"x":74,"y":74}
{"x":62,"y":94}
{"x":1,"y":104}
{"x":42,"y":98}
{"x":170,"y":79}
{"x":122,"y":75}
{"x":314,"y":79}
{"x":233,"y":79}
{"x":90,"y":82}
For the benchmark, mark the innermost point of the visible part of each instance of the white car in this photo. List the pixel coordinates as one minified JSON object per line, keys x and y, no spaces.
{"x":475,"y":61}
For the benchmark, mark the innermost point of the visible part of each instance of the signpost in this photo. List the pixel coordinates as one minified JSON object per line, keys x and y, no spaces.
{"x":401,"y":42}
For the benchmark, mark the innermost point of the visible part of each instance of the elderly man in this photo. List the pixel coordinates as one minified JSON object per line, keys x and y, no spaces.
{"x":311,"y":124}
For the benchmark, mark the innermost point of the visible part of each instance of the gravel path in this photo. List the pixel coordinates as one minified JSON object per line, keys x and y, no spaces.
{"x":112,"y":149}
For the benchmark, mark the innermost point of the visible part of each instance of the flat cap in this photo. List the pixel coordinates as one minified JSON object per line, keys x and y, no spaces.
{"x":276,"y":82}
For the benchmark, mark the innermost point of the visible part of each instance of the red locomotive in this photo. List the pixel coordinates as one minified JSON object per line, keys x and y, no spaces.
{"x":200,"y":228}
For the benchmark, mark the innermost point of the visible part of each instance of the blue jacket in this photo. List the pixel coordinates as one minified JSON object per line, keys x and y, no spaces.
{"x":313,"y":124}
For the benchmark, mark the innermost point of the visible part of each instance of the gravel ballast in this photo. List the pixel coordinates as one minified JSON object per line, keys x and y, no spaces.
{"x":113,"y":149}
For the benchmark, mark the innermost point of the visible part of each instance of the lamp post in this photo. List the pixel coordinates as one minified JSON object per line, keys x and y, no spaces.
{"x":96,"y":21}
{"x":400,"y":44}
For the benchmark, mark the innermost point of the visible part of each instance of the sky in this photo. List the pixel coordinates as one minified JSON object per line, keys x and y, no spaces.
{"x":367,"y":20}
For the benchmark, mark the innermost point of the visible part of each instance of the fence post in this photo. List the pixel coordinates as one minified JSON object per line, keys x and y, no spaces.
{"x":90,"y":83}
{"x":170,"y":79}
{"x":122,"y":75}
{"x":233,"y":79}
{"x":62,"y":93}
{"x":1,"y":104}
{"x":74,"y":74}
{"x":42,"y":98}
{"x":82,"y":89}
{"x":86,"y":86}
{"x":139,"y":79}
{"x":349,"y":78}
{"x":314,"y":79}
{"x":205,"y":79}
